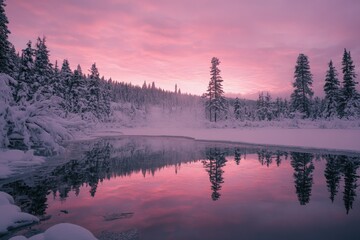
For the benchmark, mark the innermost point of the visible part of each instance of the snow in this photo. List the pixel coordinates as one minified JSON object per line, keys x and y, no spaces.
{"x":14,"y":160}
{"x":11,"y":215}
{"x":60,"y":232}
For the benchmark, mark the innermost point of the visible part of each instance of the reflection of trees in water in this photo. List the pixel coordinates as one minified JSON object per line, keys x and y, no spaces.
{"x":349,"y":167}
{"x":105,"y":159}
{"x":303,"y":174}
{"x":237,"y":156}
{"x":213,"y":165}
{"x":266,"y":157}
{"x":332,"y":174}
{"x":337,"y":166}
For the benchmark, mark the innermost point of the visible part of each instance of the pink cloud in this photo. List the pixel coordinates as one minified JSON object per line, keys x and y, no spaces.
{"x":172,"y":42}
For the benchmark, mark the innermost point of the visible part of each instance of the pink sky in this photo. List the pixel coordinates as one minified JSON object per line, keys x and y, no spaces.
{"x":173,"y":42}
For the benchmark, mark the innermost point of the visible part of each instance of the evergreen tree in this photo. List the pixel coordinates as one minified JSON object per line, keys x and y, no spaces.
{"x":216,"y":103}
{"x":303,"y":174}
{"x":301,"y":97}
{"x":331,"y":89}
{"x":66,"y":84}
{"x":237,"y":108}
{"x":4,"y":42}
{"x":25,"y":75}
{"x":43,"y":73}
{"x":94,"y":94}
{"x":349,"y":105}
{"x":317,"y":108}
{"x":264,"y":109}
{"x":14,"y":62}
{"x":77,"y":92}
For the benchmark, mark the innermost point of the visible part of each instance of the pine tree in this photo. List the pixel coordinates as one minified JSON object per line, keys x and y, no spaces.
{"x":94,"y":94}
{"x":301,"y":97}
{"x":349,"y":105}
{"x":237,"y":108}
{"x":264,"y":108}
{"x":216,"y":103}
{"x":25,"y":75}
{"x":4,"y":42}
{"x":14,"y":62}
{"x":77,"y":92}
{"x":43,"y":73}
{"x":66,"y":82}
{"x":317,"y":108}
{"x":331,"y":89}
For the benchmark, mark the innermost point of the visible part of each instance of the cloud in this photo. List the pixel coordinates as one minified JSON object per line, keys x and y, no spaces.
{"x":173,"y":41}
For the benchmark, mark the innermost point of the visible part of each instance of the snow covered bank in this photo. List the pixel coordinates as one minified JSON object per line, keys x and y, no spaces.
{"x":60,"y":232}
{"x":11,"y":215}
{"x":330,"y":139}
{"x":13,"y":160}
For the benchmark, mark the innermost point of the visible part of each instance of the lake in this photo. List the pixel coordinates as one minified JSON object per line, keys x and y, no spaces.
{"x":177,"y":188}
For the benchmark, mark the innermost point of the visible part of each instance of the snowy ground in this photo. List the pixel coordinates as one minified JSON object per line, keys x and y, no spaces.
{"x":11,"y":216}
{"x":330,"y":139}
{"x":12,"y":161}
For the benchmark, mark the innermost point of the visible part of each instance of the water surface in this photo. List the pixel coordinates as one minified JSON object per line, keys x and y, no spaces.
{"x":175,"y":188}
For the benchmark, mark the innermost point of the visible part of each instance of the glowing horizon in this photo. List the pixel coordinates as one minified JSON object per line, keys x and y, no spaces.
{"x":172,"y":43}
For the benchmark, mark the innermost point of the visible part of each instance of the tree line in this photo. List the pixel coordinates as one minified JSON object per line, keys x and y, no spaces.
{"x":342,"y":100}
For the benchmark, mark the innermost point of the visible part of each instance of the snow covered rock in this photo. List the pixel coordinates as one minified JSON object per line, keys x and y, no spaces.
{"x":62,"y":231}
{"x":11,"y":215}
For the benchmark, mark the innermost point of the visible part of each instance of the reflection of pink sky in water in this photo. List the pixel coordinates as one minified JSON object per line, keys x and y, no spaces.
{"x":255,"y":200}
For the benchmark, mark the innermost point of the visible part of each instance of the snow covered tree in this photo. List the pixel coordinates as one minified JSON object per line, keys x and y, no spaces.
{"x":216,"y":103}
{"x":77,"y":92}
{"x":237,"y":108}
{"x":349,"y":104}
{"x":66,"y":84}
{"x":264,"y":108}
{"x":332,"y":92}
{"x":93,"y":96}
{"x":25,"y":75}
{"x":301,"y":97}
{"x":43,"y":72}
{"x":317,"y":108}
{"x":14,"y":62}
{"x":4,"y":42}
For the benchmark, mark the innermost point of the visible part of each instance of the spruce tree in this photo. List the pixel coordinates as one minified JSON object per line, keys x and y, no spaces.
{"x":301,"y":97}
{"x":237,"y":108}
{"x":77,"y":92}
{"x":65,"y":80}
{"x":349,"y":105}
{"x":14,"y":62}
{"x":43,"y":72}
{"x":331,"y":89}
{"x":25,"y":75}
{"x":4,"y":42}
{"x":216,"y":103}
{"x":94,"y":94}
